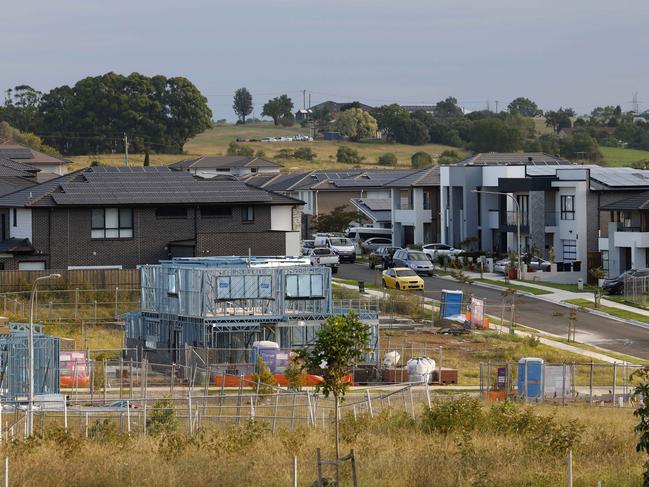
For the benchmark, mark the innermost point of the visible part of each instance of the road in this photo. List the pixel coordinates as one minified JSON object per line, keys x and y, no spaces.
{"x":590,"y":329}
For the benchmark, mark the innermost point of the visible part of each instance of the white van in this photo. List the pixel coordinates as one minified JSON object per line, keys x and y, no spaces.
{"x":343,"y":246}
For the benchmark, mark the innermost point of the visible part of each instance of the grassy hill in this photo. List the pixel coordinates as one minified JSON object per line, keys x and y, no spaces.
{"x":618,"y":156}
{"x":215,"y":142}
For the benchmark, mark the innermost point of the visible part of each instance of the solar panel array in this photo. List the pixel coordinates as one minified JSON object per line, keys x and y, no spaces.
{"x":16,"y":153}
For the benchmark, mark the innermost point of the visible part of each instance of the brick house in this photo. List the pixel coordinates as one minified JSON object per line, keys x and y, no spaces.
{"x":120,"y":216}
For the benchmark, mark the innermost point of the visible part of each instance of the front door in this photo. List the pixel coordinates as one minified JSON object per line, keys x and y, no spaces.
{"x":408,"y":235}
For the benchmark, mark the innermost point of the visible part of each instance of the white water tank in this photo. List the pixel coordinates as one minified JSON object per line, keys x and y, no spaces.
{"x":391,"y":359}
{"x":420,"y":369}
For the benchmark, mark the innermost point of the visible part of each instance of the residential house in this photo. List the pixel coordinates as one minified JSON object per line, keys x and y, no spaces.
{"x":303,"y":114}
{"x":335,"y":107}
{"x":125,"y":217}
{"x":559,"y":204}
{"x":211,"y":166}
{"x":45,"y":163}
{"x":420,"y":108}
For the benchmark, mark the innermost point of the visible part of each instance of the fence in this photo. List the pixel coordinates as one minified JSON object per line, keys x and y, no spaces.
{"x":603,"y":384}
{"x":70,"y":279}
{"x":636,"y":290}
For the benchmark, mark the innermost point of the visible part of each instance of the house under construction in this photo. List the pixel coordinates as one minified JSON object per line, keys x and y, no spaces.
{"x":227,"y":303}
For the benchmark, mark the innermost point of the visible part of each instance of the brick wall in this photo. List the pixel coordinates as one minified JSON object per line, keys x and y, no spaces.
{"x":62,"y":237}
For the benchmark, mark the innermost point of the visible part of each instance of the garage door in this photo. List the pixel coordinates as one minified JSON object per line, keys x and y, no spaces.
{"x":31,"y":266}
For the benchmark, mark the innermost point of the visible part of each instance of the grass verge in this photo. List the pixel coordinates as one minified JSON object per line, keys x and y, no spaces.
{"x":617,"y":312}
{"x":517,"y":287}
{"x":564,"y":287}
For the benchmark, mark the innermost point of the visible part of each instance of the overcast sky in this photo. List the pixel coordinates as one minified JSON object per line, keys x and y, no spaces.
{"x":578,"y":53}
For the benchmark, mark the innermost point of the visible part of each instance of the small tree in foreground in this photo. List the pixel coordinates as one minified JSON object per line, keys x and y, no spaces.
{"x":263,"y":377}
{"x":642,"y":412}
{"x":341,"y":343}
{"x":599,"y":274}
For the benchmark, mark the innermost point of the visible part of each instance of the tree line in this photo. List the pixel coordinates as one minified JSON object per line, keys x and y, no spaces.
{"x":158,"y":114}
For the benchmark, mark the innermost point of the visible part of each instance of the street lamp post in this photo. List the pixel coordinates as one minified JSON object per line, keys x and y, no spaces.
{"x":518,"y":223}
{"x":30,"y":416}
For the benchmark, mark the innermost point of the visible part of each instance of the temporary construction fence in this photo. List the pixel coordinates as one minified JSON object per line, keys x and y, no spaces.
{"x":71,"y":279}
{"x":636,"y":290}
{"x":56,"y":305}
{"x":593,"y":383}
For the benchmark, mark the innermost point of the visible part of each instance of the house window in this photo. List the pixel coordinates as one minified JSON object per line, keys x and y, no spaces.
{"x":605,"y":260}
{"x":523,"y":205}
{"x":152,"y":330}
{"x":426,"y":200}
{"x":171,"y":212}
{"x":304,"y":286}
{"x":15,"y":212}
{"x":213,"y":211}
{"x":404,"y":199}
{"x":567,"y":207}
{"x":569,"y":249}
{"x":248,"y":214}
{"x":172,"y":284}
{"x":112,"y":223}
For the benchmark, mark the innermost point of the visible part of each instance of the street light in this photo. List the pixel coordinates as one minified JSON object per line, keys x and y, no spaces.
{"x":518,"y":223}
{"x":31,"y":350}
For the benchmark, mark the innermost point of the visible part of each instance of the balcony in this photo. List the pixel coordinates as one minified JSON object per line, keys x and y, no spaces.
{"x":509,"y":219}
{"x":551,"y":218}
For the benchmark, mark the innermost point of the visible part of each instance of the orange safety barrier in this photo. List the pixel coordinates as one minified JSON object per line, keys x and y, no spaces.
{"x":280,"y":379}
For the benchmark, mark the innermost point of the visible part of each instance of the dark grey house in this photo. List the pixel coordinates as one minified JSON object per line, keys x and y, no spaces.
{"x":120,"y":216}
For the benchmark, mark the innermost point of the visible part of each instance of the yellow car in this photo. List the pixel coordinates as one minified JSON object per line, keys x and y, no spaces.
{"x":402,"y":278}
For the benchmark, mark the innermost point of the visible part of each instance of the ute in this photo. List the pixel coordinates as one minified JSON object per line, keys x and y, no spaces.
{"x":324,"y":256}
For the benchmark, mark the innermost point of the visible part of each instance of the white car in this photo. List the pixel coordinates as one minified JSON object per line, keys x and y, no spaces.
{"x":436,"y":250}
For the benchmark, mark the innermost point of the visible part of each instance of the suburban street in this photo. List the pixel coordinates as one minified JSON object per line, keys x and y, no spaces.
{"x":535,"y":313}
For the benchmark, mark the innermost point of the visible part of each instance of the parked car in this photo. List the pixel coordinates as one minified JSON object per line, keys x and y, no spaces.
{"x":307,"y":245}
{"x":402,"y":278}
{"x":615,"y":285}
{"x":374,"y":243}
{"x":382,"y":256}
{"x":502,"y":265}
{"x":539,"y":264}
{"x":413,"y":259}
{"x":436,"y":250}
{"x":343,"y":246}
{"x":324,"y":256}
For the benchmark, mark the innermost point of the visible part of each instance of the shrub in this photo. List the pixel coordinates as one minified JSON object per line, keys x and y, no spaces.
{"x":448,"y":156}
{"x":348,"y":155}
{"x":264,"y":377}
{"x":287,"y":120}
{"x":463,"y":413}
{"x":236,"y":149}
{"x":294,"y":374}
{"x":284,"y":154}
{"x":304,"y":153}
{"x":387,"y":159}
{"x":162,"y":418}
{"x":420,"y":159}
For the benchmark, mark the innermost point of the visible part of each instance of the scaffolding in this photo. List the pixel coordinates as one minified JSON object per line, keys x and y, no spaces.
{"x":14,"y":362}
{"x":230,"y":302}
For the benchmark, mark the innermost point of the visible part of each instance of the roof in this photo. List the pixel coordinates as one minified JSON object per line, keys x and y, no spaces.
{"x":423,"y":177}
{"x":27,"y":155}
{"x":376,"y":209}
{"x":139,"y":186}
{"x":601,"y":178}
{"x":334,"y":106}
{"x":12,"y":245}
{"x":636,"y":202}
{"x":513,"y":159}
{"x":18,"y":166}
{"x":223,"y":162}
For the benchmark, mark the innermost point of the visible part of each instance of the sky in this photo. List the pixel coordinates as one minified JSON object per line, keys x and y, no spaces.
{"x":576,"y":53}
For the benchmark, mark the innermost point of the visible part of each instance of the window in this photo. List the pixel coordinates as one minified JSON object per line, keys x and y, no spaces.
{"x":171,"y":212}
{"x":152,"y":328}
{"x":426,"y":200}
{"x":216,"y":211}
{"x":304,"y":286}
{"x":605,"y":260}
{"x":172,"y":284}
{"x":567,"y":207}
{"x":404,"y":199}
{"x":569,"y":249}
{"x":523,"y":204}
{"x":15,"y":212}
{"x":112,"y":223}
{"x":248,"y":214}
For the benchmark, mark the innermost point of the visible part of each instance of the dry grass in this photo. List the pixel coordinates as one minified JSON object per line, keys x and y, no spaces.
{"x":215,"y":142}
{"x":390,"y":451}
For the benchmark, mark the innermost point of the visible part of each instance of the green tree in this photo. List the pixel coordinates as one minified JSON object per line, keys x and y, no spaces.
{"x":242,"y":104}
{"x":348,"y":155}
{"x":336,"y":221}
{"x":525,"y":107}
{"x":448,"y":108}
{"x":21,"y":107}
{"x":387,"y":159}
{"x":388,"y":117}
{"x":580,"y":146}
{"x":448,"y":156}
{"x":494,"y":135}
{"x":304,"y":153}
{"x":420,"y":160}
{"x":641,"y":391}
{"x":411,"y":132}
{"x":559,"y":119}
{"x":162,"y":417}
{"x":340,"y":344}
{"x":356,"y":124}
{"x":277,"y":108}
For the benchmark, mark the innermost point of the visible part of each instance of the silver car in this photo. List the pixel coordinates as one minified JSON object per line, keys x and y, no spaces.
{"x":372,"y":244}
{"x":436,"y":250}
{"x":414,"y":259}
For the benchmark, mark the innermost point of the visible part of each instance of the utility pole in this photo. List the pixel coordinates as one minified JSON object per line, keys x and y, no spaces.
{"x":304,"y":99}
{"x":126,"y":149}
{"x":496,"y":102}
